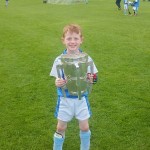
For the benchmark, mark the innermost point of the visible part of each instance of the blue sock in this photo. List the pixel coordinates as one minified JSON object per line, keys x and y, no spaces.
{"x":58,"y":142}
{"x":85,"y":140}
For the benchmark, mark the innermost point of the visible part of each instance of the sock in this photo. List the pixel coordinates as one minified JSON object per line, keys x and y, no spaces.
{"x":58,"y":141}
{"x":85,"y":140}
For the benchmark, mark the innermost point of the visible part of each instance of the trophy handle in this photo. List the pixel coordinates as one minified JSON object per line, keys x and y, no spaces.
{"x":60,"y":68}
{"x":90,"y":63}
{"x":89,"y":85}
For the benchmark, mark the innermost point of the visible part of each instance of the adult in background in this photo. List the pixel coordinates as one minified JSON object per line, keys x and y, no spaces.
{"x":6,"y":3}
{"x":118,"y":4}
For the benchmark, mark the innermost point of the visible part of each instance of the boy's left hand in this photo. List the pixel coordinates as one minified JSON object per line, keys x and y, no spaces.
{"x":92,"y":78}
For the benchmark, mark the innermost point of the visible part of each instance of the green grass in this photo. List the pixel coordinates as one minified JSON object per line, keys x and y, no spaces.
{"x":30,"y":33}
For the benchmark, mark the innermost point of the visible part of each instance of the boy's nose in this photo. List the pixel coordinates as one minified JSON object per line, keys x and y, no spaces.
{"x":72,"y":40}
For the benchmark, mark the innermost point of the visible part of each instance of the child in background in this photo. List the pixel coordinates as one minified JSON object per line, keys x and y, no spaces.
{"x":136,"y":6}
{"x":126,"y":7}
{"x":70,"y":106}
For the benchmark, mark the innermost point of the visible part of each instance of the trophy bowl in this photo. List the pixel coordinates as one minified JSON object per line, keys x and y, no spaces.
{"x":75,"y":67}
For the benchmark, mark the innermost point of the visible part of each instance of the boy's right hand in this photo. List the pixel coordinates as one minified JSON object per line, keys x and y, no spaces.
{"x":59,"y":82}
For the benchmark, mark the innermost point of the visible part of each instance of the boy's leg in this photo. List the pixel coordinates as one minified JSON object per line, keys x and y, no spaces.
{"x":85,"y":140}
{"x":85,"y":135}
{"x":59,"y":135}
{"x":58,"y":141}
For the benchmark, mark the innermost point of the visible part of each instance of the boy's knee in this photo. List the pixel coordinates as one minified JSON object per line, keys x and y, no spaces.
{"x":61,"y":128}
{"x":84,"y":128}
{"x":84,"y":125}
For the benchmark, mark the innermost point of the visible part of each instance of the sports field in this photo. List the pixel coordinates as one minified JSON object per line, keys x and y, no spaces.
{"x":30,"y":39}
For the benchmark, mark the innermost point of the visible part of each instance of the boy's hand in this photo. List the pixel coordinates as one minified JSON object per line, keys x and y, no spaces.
{"x":59,"y":82}
{"x":92,"y":78}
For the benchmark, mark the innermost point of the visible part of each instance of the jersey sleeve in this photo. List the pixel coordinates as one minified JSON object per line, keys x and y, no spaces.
{"x":53,"y":71}
{"x":94,"y":66}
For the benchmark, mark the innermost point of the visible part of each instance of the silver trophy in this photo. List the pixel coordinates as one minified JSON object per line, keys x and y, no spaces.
{"x":75,"y":68}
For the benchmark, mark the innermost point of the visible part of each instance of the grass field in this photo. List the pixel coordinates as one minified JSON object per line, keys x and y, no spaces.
{"x":30,"y":33}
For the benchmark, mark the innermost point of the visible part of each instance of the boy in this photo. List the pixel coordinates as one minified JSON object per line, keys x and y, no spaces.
{"x":70,"y":106}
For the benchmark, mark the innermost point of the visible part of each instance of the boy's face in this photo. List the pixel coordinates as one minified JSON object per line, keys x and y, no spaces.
{"x":72,"y":41}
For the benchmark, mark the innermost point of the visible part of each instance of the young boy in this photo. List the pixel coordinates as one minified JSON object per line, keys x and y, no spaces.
{"x":70,"y":106}
{"x":136,"y":6}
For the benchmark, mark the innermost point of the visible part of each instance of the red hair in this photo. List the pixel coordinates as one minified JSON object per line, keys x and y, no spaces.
{"x":72,"y":28}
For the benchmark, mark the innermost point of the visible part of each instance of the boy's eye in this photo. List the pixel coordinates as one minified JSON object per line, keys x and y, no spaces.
{"x":69,"y":39}
{"x":75,"y":39}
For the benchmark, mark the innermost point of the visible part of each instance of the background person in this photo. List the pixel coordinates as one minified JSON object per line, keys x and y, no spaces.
{"x":126,"y":7}
{"x":118,"y":4}
{"x":6,"y":3}
{"x":136,"y":6}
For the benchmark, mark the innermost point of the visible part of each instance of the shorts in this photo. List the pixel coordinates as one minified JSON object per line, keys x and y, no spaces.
{"x":67,"y":108}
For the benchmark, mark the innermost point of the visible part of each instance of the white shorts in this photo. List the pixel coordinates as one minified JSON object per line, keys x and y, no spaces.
{"x":73,"y":107}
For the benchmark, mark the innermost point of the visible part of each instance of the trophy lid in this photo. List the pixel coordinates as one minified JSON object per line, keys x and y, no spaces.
{"x":76,"y":56}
